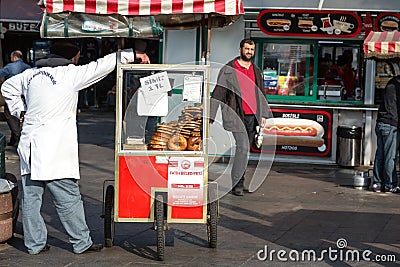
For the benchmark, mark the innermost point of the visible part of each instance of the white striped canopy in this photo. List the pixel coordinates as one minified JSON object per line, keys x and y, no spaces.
{"x":146,"y":7}
{"x":382,"y":45}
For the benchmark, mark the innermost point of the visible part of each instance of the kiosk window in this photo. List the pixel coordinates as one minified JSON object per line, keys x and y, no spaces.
{"x":339,"y":66}
{"x":288,"y":68}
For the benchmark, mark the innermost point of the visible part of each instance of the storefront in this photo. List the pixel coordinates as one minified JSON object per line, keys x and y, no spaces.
{"x":19,"y":26}
{"x":312,"y":58}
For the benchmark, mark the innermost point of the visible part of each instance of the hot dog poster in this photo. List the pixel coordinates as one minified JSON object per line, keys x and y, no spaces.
{"x":337,"y":24}
{"x":299,"y":132}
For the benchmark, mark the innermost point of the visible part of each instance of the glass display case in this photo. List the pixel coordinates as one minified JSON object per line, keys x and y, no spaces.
{"x":162,"y":109}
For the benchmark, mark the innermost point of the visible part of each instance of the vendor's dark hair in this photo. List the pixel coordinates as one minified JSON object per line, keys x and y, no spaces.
{"x":246,"y":41}
{"x":64,"y":49}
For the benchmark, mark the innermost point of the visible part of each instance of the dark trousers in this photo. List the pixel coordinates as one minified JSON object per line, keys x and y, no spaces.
{"x":14,"y":125}
{"x":243,"y":141}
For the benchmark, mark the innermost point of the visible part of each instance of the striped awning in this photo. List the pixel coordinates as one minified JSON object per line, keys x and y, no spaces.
{"x":145,"y":7}
{"x":382,"y":45}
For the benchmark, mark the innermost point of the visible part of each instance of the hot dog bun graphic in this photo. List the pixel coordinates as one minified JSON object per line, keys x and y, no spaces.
{"x":293,"y":132}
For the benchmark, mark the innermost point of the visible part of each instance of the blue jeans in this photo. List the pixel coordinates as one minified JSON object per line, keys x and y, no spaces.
{"x":385,"y":157}
{"x":69,"y":206}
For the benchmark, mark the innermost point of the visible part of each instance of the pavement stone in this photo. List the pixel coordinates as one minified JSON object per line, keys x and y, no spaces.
{"x":298,"y":207}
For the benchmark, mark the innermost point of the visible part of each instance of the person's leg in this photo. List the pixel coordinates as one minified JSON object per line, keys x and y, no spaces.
{"x":379,"y":157}
{"x":69,"y":206}
{"x":389,"y":134}
{"x":14,"y":125}
{"x":240,"y":161}
{"x":250,"y":124}
{"x":35,"y":232}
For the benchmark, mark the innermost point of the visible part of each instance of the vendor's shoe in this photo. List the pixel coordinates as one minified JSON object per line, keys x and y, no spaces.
{"x":94,"y":248}
{"x":44,"y":249}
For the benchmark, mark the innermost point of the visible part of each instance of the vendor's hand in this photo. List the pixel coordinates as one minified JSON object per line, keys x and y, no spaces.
{"x":211,"y":121}
{"x":142,"y":58}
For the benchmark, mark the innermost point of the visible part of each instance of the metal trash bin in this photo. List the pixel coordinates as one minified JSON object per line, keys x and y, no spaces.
{"x":349,"y":145}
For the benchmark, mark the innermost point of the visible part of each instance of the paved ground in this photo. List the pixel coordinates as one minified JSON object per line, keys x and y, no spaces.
{"x":298,"y":209}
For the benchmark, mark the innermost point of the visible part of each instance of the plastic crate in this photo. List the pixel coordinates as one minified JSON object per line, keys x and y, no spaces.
{"x":2,"y":156}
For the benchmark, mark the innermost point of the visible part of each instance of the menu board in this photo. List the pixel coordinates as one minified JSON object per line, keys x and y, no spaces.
{"x":387,"y":22}
{"x":298,"y":132}
{"x":334,"y":24}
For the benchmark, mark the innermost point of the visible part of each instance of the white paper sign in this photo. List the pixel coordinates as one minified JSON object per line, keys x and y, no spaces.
{"x":185,"y":181}
{"x":155,"y":84}
{"x":192,"y":88}
{"x":152,"y":95}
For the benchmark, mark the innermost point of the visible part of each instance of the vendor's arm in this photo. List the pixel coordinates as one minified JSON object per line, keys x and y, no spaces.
{"x":86,"y":75}
{"x":12,"y":89}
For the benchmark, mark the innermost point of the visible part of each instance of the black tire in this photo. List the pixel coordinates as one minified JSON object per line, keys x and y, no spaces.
{"x":212,"y":219}
{"x":109,"y":217}
{"x":159,"y":216}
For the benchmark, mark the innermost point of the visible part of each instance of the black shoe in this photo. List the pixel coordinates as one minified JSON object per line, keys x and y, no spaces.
{"x":237,"y":191}
{"x":94,"y":248}
{"x":44,"y":249}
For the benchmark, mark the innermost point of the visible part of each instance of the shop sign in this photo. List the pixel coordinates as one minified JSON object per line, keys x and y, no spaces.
{"x":298,"y":132}
{"x":21,"y":26}
{"x":333,"y":24}
{"x":387,"y":22}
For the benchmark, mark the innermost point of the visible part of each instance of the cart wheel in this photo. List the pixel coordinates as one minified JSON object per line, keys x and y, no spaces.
{"x":212,"y":218}
{"x":109,"y":217}
{"x":159,"y":205}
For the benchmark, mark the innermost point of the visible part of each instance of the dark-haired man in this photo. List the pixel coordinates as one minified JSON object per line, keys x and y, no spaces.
{"x":16,"y":66}
{"x":244,"y":106}
{"x":48,"y":147}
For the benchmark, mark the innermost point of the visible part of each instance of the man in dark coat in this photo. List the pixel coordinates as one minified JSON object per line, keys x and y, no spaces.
{"x":243,"y":105}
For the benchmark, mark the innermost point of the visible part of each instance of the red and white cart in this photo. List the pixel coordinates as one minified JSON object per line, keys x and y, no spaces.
{"x":159,"y":177}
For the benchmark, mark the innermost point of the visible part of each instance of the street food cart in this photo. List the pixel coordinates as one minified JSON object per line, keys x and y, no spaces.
{"x":161,"y":140}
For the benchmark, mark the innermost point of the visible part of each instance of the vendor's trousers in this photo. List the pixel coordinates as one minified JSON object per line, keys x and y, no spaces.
{"x":67,"y":200}
{"x":243,"y":141}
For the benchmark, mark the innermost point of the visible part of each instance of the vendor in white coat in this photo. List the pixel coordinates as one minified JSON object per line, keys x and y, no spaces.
{"x":48,"y":147}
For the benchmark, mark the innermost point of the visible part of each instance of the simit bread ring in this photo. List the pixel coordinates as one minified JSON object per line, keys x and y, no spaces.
{"x":177,"y":143}
{"x":194,"y":143}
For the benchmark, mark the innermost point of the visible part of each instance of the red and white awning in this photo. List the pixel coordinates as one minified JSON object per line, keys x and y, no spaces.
{"x":146,"y":7}
{"x":382,"y":45}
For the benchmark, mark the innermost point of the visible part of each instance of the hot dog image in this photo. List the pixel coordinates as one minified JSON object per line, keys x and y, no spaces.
{"x":293,"y":132}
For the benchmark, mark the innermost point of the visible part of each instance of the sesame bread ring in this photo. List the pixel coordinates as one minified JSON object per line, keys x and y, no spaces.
{"x":194,"y":143}
{"x":177,"y":143}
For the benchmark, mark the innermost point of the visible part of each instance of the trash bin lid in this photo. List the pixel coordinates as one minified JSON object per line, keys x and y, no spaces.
{"x":350,"y":132}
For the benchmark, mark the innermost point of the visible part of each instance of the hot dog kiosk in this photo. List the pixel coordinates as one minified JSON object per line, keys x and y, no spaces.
{"x":314,"y":69}
{"x":161,"y":140}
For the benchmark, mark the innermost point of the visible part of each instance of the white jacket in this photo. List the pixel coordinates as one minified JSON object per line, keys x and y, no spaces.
{"x":48,"y":146}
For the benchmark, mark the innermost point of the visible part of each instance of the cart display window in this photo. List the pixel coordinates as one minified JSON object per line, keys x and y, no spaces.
{"x":162,"y":109}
